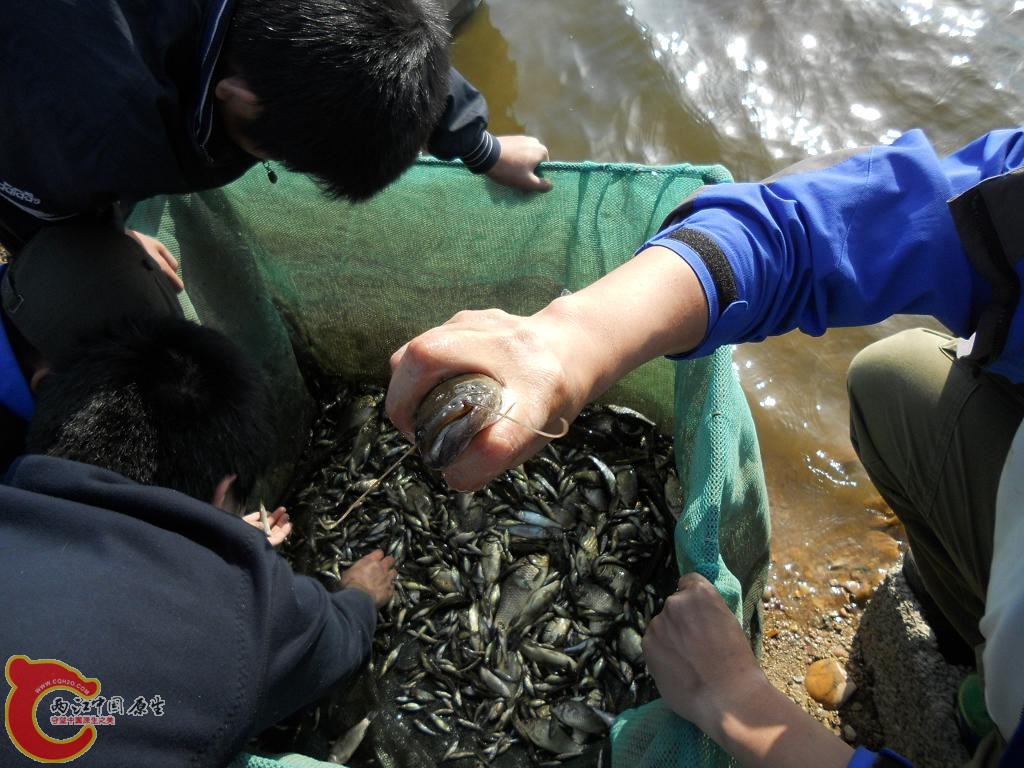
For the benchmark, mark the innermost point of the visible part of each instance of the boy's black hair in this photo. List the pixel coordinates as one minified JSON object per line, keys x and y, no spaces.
{"x":349,"y":90}
{"x":162,"y":401}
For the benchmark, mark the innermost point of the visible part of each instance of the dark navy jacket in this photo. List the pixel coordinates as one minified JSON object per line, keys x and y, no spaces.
{"x":159,"y":596}
{"x":110,"y":101}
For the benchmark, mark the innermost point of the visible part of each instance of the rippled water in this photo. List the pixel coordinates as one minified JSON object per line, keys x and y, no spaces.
{"x":755,"y":86}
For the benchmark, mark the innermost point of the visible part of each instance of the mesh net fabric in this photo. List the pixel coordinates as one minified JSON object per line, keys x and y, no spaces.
{"x":723,"y":534}
{"x":306,"y":284}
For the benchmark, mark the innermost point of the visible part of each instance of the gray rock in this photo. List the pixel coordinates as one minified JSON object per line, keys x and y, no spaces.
{"x":914,"y":688}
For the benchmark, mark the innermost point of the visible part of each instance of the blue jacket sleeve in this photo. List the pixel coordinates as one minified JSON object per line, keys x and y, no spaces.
{"x":844,"y":240}
{"x":317,"y":639}
{"x":462,"y":131}
{"x":14,"y":389}
{"x":886,"y":758}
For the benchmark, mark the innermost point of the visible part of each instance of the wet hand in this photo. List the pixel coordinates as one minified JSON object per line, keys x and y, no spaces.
{"x":531,"y":357}
{"x":698,"y":655}
{"x":278,"y":522}
{"x":706,"y":672}
{"x":375,"y":575}
{"x":163,"y":257}
{"x":517,"y":164}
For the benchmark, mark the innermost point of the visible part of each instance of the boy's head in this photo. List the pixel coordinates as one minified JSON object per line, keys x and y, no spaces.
{"x":70,"y":281}
{"x":348,"y":91}
{"x":161,"y":401}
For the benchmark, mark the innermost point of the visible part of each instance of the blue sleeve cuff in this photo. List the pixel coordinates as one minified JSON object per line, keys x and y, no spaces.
{"x":865,"y":758}
{"x":484,"y":156}
{"x":721,"y":321}
{"x":862,"y":758}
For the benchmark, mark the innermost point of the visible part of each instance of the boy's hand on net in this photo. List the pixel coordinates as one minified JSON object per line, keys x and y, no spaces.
{"x":278,"y":522}
{"x":517,"y":164}
{"x":163,"y":257}
{"x":374,"y":574}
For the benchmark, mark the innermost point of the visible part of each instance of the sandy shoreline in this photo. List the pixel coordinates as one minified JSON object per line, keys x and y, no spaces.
{"x":903,"y":688}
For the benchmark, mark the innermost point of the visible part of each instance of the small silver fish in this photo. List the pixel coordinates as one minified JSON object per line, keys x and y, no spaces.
{"x":549,"y":735}
{"x":548,"y":656}
{"x":346,"y":746}
{"x":583,"y":717}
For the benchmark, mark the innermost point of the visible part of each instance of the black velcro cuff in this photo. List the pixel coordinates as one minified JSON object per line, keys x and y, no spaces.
{"x":711,"y":254}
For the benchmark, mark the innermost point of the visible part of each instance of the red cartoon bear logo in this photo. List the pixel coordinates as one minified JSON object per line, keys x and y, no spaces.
{"x":30,"y":681}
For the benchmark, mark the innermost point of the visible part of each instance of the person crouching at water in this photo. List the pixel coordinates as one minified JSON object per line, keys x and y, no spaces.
{"x":121,"y":564}
{"x":67,"y":282}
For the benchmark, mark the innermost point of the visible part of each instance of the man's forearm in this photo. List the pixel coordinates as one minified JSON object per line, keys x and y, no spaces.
{"x":766,"y":728}
{"x":650,"y":306}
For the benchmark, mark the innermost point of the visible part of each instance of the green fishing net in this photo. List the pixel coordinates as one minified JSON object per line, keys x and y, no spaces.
{"x":310,"y":286}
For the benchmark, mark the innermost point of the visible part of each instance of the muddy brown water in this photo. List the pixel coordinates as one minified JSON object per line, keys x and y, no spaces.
{"x":755,"y":86}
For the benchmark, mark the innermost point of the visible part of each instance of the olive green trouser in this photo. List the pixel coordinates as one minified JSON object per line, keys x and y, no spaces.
{"x":933,"y":436}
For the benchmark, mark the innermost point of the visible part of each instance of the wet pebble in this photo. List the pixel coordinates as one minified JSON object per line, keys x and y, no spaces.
{"x":860,"y":591}
{"x":826,"y":682}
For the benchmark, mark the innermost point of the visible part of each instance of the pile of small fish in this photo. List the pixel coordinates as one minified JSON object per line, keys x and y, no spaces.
{"x":519,"y":609}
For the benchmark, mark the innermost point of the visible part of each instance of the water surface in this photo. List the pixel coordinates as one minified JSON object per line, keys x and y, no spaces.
{"x":755,"y":86}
